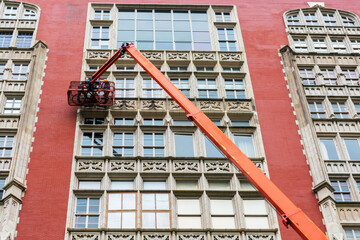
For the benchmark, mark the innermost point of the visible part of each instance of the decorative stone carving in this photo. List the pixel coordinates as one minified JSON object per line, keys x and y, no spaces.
{"x":191,"y":236}
{"x":121,"y":237}
{"x":122,"y":166}
{"x":91,"y":166}
{"x":210,"y":105}
{"x":153,"y":55}
{"x":225,"y":237}
{"x":85,"y":236}
{"x":98,"y":55}
{"x":349,"y":214}
{"x":204,"y":56}
{"x":174,"y":106}
{"x":186,"y":166}
{"x":153,"y":104}
{"x":177,"y":56}
{"x":5,"y":164}
{"x":125,"y":104}
{"x":239,"y":106}
{"x":217,"y":166}
{"x":230,"y":56}
{"x":156,"y":236}
{"x":261,"y":237}
{"x":154,"y":166}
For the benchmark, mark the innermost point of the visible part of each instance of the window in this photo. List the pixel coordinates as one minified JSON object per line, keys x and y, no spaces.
{"x":347,"y":21}
{"x":124,"y":121}
{"x":87,"y":212}
{"x":123,"y":144}
{"x":307,"y":76}
{"x":235,"y":123}
{"x":2,"y":67}
{"x":178,"y":122}
{"x":357,"y":107}
{"x":338,"y":45}
{"x":211,"y":149}
{"x":164,"y":30}
{"x":124,"y":87}
{"x":293,"y":19}
{"x":121,"y":210}
{"x":19,"y":71}
{"x":6,"y":144}
{"x":2,"y":184}
{"x":182,"y":84}
{"x":226,"y":39}
{"x":300,"y":44}
{"x":154,"y":145}
{"x":94,"y":121}
{"x":329,"y":19}
{"x":24,"y":40}
{"x":342,"y":192}
{"x":235,"y":88}
{"x":246,"y":185}
{"x":10,"y":12}
{"x":352,"y":234}
{"x":92,"y":144}
{"x":188,"y":213}
{"x":178,"y":69}
{"x":319,"y":45}
{"x":329,"y":76}
{"x":246,"y":145}
{"x":94,"y":67}
{"x":355,"y":44}
{"x":311,"y":19}
{"x":155,"y":210}
{"x":223,"y":17}
{"x":317,"y":110}
{"x":184,"y":145}
{"x":328,"y":149}
{"x":102,"y":15}
{"x":29,"y":14}
{"x":205,"y":69}
{"x":122,"y":185}
{"x":186,"y":185}
{"x":5,"y":39}
{"x":358,"y":185}
{"x":353,"y":148}
{"x":100,"y":37}
{"x":352,"y":77}
{"x":255,"y":214}
{"x":12,"y":105}
{"x":207,"y":88}
{"x":89,"y":184}
{"x":154,"y":185}
{"x":153,"y":121}
{"x":231,"y":69}
{"x":340,"y":110}
{"x":219,"y":185}
{"x":222,"y":213}
{"x":125,"y":68}
{"x":151,"y":89}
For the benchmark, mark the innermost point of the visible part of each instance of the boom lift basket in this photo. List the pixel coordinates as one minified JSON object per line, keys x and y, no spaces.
{"x":82,"y":93}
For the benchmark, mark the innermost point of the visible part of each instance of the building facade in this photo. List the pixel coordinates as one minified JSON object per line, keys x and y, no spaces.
{"x":140,"y":169}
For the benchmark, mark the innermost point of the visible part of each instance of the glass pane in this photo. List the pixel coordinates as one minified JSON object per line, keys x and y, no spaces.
{"x":223,"y":222}
{"x":148,"y":220}
{"x":114,"y":201}
{"x":129,"y":219}
{"x":188,"y":206}
{"x":129,"y":201}
{"x":184,"y":145}
{"x":328,"y":149}
{"x":114,"y":220}
{"x":180,"y":185}
{"x":245,"y":143}
{"x":154,"y":185}
{"x":353,"y":148}
{"x":257,"y":222}
{"x":163,"y":220}
{"x":162,"y":201}
{"x":182,"y":36}
{"x":189,"y":222}
{"x":221,"y":207}
{"x":148,"y":201}
{"x":122,"y":185}
{"x":219,"y":185}
{"x":254,"y":207}
{"x":211,"y":150}
{"x":89,"y":184}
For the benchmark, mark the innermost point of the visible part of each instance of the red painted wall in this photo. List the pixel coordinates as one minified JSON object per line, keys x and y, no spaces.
{"x":62,"y":27}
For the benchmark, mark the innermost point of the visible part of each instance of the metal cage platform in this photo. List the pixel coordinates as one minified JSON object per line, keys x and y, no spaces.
{"x":81,"y":93}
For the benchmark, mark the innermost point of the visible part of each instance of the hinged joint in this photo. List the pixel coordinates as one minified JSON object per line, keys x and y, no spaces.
{"x":190,"y":116}
{"x":285,"y":217}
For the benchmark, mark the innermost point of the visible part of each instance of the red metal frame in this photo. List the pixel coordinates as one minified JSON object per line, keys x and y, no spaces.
{"x":290,"y":214}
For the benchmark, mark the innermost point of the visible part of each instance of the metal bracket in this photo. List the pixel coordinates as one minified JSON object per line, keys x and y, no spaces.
{"x":285,"y":217}
{"x":191,"y":115}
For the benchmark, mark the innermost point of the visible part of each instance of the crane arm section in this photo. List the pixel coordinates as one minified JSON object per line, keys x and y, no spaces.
{"x":290,"y":213}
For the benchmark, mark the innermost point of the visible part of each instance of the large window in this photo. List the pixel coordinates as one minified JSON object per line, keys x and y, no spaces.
{"x":184,"y":145}
{"x":300,"y":44}
{"x":121,"y":210}
{"x":2,"y":184}
{"x":188,"y":213}
{"x":19,"y":72}
{"x":92,"y":144}
{"x":338,"y":45}
{"x":223,"y":17}
{"x":154,"y":144}
{"x":255,"y":214}
{"x":329,"y":76}
{"x":6,"y":145}
{"x":164,"y":30}
{"x":123,"y":144}
{"x":182,"y":84}
{"x":12,"y":105}
{"x":246,"y":145}
{"x":340,"y":110}
{"x":87,"y":212}
{"x":102,"y":14}
{"x":311,"y":19}
{"x":352,"y":77}
{"x":124,"y":87}
{"x":293,"y":19}
{"x":151,"y":89}
{"x":317,"y":110}
{"x":348,"y":21}
{"x":319,"y":45}
{"x":234,"y":88}
{"x":328,"y":149}
{"x":329,"y":19}
{"x":222,"y":213}
{"x":352,"y":234}
{"x":227,"y":40}
{"x":24,"y":40}
{"x":211,"y":149}
{"x":353,"y":148}
{"x":100,"y":37}
{"x":29,"y":14}
{"x":155,"y":210}
{"x":342,"y":192}
{"x":10,"y":12}
{"x":355,"y":44}
{"x":207,"y":88}
{"x":307,"y":76}
{"x":5,"y":39}
{"x":2,"y":67}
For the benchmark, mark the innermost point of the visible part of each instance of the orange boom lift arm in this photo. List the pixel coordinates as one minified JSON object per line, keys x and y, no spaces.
{"x":290,"y":214}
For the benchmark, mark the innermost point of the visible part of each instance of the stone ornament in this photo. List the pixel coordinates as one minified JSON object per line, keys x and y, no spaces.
{"x":186,"y":166}
{"x":217,"y":166}
{"x":156,"y":236}
{"x":225,"y":237}
{"x":99,"y":55}
{"x":230,"y":56}
{"x":153,"y":104}
{"x":125,"y":104}
{"x":260,"y":237}
{"x":91,"y":166}
{"x":122,"y":166}
{"x":204,"y":56}
{"x":153,"y":55}
{"x":239,"y":106}
{"x":154,"y":166}
{"x":210,"y":105}
{"x":191,"y":236}
{"x":85,"y":236}
{"x":177,"y":56}
{"x":174,"y":106}
{"x":120,"y":237}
